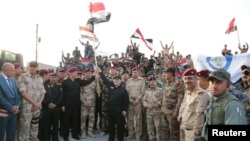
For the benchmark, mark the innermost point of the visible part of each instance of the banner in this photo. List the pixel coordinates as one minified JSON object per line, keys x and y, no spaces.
{"x":231,"y":63}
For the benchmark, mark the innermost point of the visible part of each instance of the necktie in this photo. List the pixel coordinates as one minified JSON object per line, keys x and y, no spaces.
{"x":10,"y":85}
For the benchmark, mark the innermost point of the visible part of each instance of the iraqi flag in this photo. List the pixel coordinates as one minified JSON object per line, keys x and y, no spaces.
{"x":86,"y":33}
{"x":232,"y":27}
{"x":148,"y":42}
{"x":98,"y":13}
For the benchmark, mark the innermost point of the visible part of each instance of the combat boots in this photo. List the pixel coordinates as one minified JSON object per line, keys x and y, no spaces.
{"x":102,"y":133}
{"x":91,"y":134}
{"x":130,"y":137}
{"x":83,"y":135}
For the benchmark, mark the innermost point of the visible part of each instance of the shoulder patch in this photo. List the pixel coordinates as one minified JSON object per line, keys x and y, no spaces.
{"x":25,"y":74}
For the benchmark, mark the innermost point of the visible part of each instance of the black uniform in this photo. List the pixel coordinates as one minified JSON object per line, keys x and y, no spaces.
{"x":71,"y":101}
{"x":51,"y":116}
{"x":118,"y":101}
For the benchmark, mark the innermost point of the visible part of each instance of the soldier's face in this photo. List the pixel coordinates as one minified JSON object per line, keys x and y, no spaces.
{"x":190,"y":82}
{"x":244,"y":79}
{"x":152,"y":83}
{"x":201,"y":81}
{"x":88,"y":74}
{"x":168,"y":75}
{"x":46,"y":77}
{"x":248,"y":79}
{"x":33,"y":69}
{"x":218,"y":88}
{"x":61,"y":75}
{"x":112,"y":71}
{"x":18,"y":71}
{"x":135,"y":73}
{"x":117,"y":82}
{"x":125,"y":76}
{"x":73,"y":74}
{"x":52,"y":79}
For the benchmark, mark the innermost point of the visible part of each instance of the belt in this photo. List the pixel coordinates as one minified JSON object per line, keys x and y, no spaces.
{"x":157,"y":109}
{"x":133,"y":98}
{"x":188,"y":129}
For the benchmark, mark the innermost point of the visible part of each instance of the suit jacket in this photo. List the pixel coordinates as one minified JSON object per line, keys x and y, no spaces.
{"x":8,"y":97}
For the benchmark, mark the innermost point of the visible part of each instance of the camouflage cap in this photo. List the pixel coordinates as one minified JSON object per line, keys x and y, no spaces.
{"x":219,"y":74}
{"x":33,"y":64}
{"x":152,"y":78}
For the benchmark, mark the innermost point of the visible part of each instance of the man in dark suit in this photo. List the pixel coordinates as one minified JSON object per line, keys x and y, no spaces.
{"x":10,"y":101}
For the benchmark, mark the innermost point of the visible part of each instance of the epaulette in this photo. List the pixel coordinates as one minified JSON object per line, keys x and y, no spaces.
{"x":140,"y":78}
{"x":158,"y":89}
{"x":200,"y":92}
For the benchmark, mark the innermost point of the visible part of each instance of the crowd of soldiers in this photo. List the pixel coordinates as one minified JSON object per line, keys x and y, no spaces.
{"x":243,"y":49}
{"x":167,"y":101}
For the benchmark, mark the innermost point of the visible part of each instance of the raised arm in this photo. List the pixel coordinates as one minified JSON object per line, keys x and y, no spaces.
{"x":85,"y":82}
{"x":132,"y":44}
{"x":172,"y":43}
{"x":81,"y":42}
{"x":162,"y":45}
{"x":105,"y":80}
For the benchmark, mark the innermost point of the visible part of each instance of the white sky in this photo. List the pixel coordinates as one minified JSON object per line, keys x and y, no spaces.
{"x":195,"y":26}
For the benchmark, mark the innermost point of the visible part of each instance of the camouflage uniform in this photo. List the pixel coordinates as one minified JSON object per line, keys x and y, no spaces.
{"x":192,"y":112}
{"x":88,"y":95}
{"x":247,"y":105}
{"x":153,"y":97}
{"x":136,"y":90}
{"x":29,"y":119}
{"x":172,"y":98}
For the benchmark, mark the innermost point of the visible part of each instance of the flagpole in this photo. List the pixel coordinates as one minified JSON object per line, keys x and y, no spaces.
{"x":92,"y":26}
{"x":238,"y":34}
{"x":36,"y":40}
{"x":97,"y":80}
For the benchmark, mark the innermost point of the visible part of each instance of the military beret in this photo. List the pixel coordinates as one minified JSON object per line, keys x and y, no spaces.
{"x":43,"y":71}
{"x":33,"y":64}
{"x":203,"y":73}
{"x":188,"y":72}
{"x":152,"y":78}
{"x":16,"y":65}
{"x":79,"y":72}
{"x":117,"y":77}
{"x":112,"y":67}
{"x":219,"y":74}
{"x":134,"y":69}
{"x":72,"y":69}
{"x":61,"y":70}
{"x":52,"y":74}
{"x":125,"y":72}
{"x":88,"y":69}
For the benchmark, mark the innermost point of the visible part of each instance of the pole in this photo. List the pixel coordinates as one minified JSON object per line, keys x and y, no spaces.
{"x":97,"y":80}
{"x":238,"y":34}
{"x":36,"y":40}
